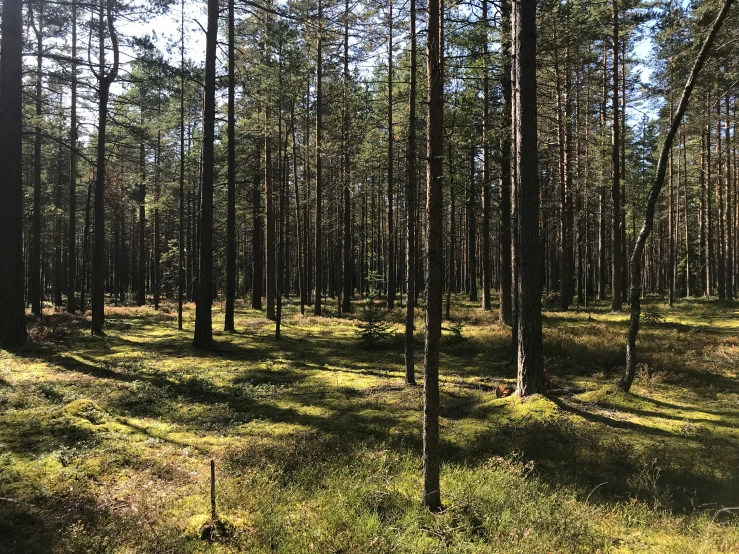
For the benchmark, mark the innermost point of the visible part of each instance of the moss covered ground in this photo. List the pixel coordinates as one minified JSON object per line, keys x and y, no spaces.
{"x":105,"y":443}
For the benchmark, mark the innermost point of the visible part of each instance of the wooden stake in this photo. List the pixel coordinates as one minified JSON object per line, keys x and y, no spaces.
{"x":213,"y":490}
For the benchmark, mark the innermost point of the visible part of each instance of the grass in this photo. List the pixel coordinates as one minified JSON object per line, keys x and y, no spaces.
{"x":105,"y":443}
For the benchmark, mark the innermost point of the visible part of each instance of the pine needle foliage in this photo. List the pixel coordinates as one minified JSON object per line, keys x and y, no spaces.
{"x":374,"y":327}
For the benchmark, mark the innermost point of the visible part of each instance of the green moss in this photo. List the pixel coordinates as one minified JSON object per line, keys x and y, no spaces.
{"x":85,"y":409}
{"x":106,"y":446}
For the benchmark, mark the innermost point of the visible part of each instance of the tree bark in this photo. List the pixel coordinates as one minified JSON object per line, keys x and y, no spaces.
{"x":616,"y":298}
{"x":34,"y":266}
{"x":12,"y":309}
{"x":181,"y":237}
{"x":486,"y":273}
{"x":636,"y":256}
{"x":257,"y":243}
{"x":434,"y":254}
{"x":506,"y":271}
{"x":72,"y":241}
{"x":528,"y":285}
{"x":410,"y":204}
{"x":141,"y":287}
{"x":728,"y":215}
{"x":203,"y":315}
{"x":231,"y":155}
{"x":390,"y":216}
{"x":270,"y":245}
{"x":98,"y":259}
{"x":318,"y":280}
{"x":347,"y":242}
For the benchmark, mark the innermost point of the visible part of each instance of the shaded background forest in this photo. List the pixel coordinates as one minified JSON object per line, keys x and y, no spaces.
{"x":591,"y":196}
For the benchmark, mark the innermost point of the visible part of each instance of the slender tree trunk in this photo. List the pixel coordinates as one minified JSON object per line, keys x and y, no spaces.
{"x":472,"y":229}
{"x":181,"y":238}
{"x":434,"y":254}
{"x":506,"y":270}
{"x":616,"y":298}
{"x":231,"y":155}
{"x":514,"y":185}
{"x":390,"y":216}
{"x":203,"y":316}
{"x":85,"y":248}
{"x":528,"y":285}
{"x":58,"y":235}
{"x":728,"y":215}
{"x":721,"y":246}
{"x":602,"y":272}
{"x":319,"y":145}
{"x":671,"y":230}
{"x":12,"y":309}
{"x":636,"y":256}
{"x":34,"y":279}
{"x":302,"y":285}
{"x":688,"y":257}
{"x":257,"y":244}
{"x":156,"y":271}
{"x":348,"y":266}
{"x":486,"y":270}
{"x":280,"y":256}
{"x":72,"y":242}
{"x":410,"y":204}
{"x":451,"y":263}
{"x":98,"y":259}
{"x":707,"y":219}
{"x":270,"y":244}
{"x":141,"y":288}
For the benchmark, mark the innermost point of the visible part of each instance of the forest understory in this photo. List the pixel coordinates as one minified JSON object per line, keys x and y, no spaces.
{"x":106,"y":442}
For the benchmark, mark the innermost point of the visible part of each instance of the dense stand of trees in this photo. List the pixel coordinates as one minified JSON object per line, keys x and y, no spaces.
{"x":288,"y":164}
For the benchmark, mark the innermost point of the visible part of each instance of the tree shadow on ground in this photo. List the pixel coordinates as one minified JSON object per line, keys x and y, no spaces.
{"x":290,"y":383}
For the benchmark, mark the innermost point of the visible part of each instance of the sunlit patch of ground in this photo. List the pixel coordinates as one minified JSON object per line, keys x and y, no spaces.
{"x":105,"y":443}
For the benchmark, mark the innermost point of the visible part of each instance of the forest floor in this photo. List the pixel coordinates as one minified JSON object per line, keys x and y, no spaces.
{"x":105,"y":443}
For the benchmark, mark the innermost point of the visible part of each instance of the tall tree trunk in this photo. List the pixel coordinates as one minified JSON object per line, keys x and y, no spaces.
{"x":728,"y":217}
{"x":98,"y":258}
{"x":506,"y":274}
{"x":156,"y":272}
{"x":721,"y":246}
{"x":688,"y":257}
{"x":602,"y":272}
{"x":671,"y":258}
{"x":298,"y":224}
{"x":528,"y":251}
{"x":318,"y":280}
{"x":270,"y":219}
{"x":72,"y":241}
{"x":34,"y":278}
{"x":203,"y":317}
{"x":451,"y":264}
{"x":58,"y":235}
{"x":85,"y":248}
{"x":486,"y":270}
{"x":616,"y":298}
{"x":390,"y":216}
{"x":472,"y":229}
{"x":636,"y":256}
{"x":141,"y":288}
{"x":707,"y":244}
{"x":231,"y":155}
{"x":257,"y":243}
{"x":348,"y":266}
{"x":434,"y":253}
{"x":410,"y":204}
{"x":280,"y":251}
{"x":12,"y":309}
{"x":181,"y":237}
